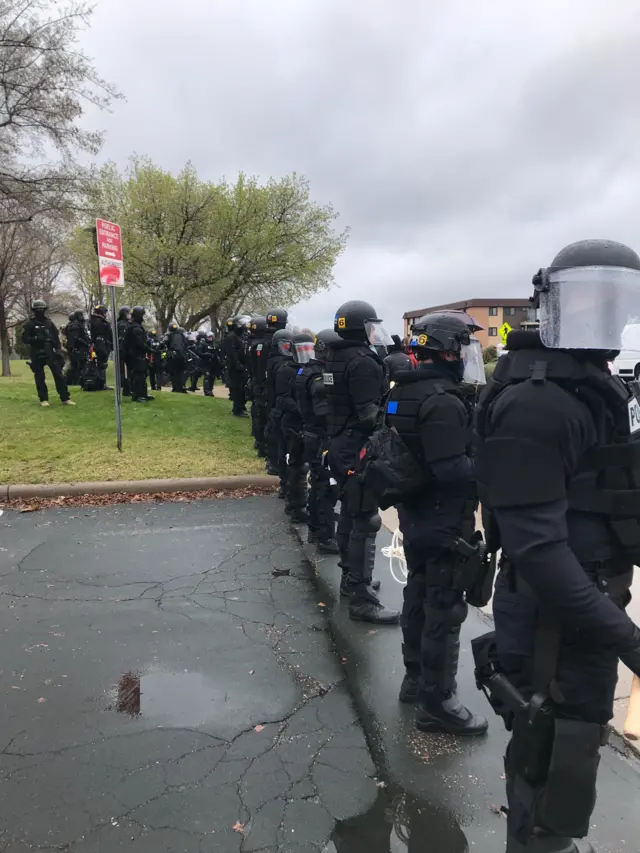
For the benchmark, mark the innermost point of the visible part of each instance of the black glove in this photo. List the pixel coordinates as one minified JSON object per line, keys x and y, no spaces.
{"x":630,"y":656}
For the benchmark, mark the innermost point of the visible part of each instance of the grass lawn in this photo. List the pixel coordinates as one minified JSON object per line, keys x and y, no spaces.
{"x":176,"y":435}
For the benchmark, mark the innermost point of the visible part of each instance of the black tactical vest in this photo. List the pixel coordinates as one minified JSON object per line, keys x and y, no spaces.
{"x":258,"y":354}
{"x":408,"y":394}
{"x":342,"y":412}
{"x":305,"y":375}
{"x":607,"y":482}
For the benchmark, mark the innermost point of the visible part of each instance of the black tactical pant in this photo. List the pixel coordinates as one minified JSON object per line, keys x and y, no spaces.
{"x":276,"y":449}
{"x":154,"y":377}
{"x":125,"y":375}
{"x":138,"y":373}
{"x":176,"y":372}
{"x":55,"y":366}
{"x":297,"y":470}
{"x":323,"y":495}
{"x":359,"y":521}
{"x":194,"y":380}
{"x":208,"y":382}
{"x":586,"y":677}
{"x":431,"y":620}
{"x":259,"y":414}
{"x":102,"y":361}
{"x":237,"y":385}
{"x":73,"y":374}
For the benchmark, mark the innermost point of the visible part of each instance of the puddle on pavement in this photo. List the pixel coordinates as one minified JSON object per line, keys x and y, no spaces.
{"x":171,"y":698}
{"x":398,"y":823}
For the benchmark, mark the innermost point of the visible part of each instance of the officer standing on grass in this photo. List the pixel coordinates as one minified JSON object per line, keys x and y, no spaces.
{"x":102,"y":341}
{"x":427,"y":409}
{"x":176,"y":344}
{"x":559,"y":472}
{"x":41,"y":336}
{"x":233,"y":347}
{"x":124,"y":318}
{"x":136,"y":350}
{"x":78,"y":345}
{"x":355,"y":384}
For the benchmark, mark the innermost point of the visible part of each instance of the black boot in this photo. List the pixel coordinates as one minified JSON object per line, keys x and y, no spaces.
{"x":439,"y":709}
{"x":327,"y":546}
{"x":345,"y":592}
{"x":369,"y":611}
{"x":409,"y":688}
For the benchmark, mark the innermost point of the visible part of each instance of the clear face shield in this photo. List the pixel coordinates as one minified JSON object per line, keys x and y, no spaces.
{"x":304,"y":352}
{"x":285,"y":348}
{"x":471,"y":356}
{"x":377,"y":335}
{"x":589,"y":308}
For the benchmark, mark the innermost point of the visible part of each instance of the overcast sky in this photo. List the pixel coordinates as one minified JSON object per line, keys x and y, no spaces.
{"x":464,"y":143}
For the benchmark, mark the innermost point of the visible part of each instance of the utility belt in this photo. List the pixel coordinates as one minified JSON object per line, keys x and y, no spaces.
{"x":551,"y":761}
{"x":612,"y":577}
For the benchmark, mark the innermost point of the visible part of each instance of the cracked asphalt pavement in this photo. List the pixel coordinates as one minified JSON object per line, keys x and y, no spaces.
{"x":169,"y":685}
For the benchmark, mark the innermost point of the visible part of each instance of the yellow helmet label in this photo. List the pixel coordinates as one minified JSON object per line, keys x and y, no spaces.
{"x":422,"y":340}
{"x":342,"y":323}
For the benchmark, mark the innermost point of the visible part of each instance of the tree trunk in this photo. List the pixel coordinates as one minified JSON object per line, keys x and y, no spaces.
{"x":4,"y":341}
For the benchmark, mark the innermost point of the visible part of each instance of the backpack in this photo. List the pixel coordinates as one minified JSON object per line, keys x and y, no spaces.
{"x":389,"y":469}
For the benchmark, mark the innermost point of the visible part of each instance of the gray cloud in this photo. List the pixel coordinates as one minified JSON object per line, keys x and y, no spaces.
{"x":463,"y":145}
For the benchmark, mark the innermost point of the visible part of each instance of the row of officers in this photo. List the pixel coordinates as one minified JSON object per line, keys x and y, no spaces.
{"x":550,"y":450}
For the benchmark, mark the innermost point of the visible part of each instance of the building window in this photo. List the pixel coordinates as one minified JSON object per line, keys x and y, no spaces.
{"x":493,"y":331}
{"x":493,"y":312}
{"x":509,"y":312}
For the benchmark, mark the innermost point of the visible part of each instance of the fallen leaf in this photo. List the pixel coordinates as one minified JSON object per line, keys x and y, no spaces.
{"x":29,"y":508}
{"x":238,"y":827}
{"x":381,"y":784}
{"x":251,"y":671}
{"x":41,"y":700}
{"x":343,"y":660}
{"x":321,"y":604}
{"x":372,"y":631}
{"x":259,"y":728}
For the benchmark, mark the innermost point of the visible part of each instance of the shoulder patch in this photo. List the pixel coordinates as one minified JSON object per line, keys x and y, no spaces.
{"x":300,"y":370}
{"x":328,"y":378}
{"x":392,"y":407}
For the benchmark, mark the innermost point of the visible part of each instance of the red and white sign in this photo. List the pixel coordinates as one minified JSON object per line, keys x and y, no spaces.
{"x":110,"y":253}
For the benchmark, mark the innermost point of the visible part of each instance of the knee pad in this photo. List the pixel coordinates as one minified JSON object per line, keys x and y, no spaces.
{"x":373,"y":524}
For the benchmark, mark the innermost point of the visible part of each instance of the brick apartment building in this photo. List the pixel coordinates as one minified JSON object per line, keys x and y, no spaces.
{"x":488,"y":313}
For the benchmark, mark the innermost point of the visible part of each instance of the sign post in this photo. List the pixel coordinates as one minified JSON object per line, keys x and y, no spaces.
{"x":111,"y":272}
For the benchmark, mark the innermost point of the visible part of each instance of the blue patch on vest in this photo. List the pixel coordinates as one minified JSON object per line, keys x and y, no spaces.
{"x":300,"y":370}
{"x":392,"y":408}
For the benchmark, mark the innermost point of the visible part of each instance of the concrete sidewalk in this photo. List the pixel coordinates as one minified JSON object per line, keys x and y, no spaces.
{"x":625,"y":676}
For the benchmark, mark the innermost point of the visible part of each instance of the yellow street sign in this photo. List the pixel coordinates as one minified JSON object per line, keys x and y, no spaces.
{"x":503,"y":331}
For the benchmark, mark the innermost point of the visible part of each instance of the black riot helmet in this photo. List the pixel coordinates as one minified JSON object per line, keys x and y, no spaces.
{"x":100,"y":310}
{"x":282,"y":341}
{"x":39,"y":306}
{"x":303,"y":351}
{"x":201,"y":334}
{"x":443,"y":332}
{"x":79,"y":316}
{"x":397,"y":361}
{"x":589,"y":298}
{"x":277,"y":318}
{"x":324,"y":339}
{"x":72,"y":316}
{"x":137,"y":314}
{"x":124,"y":313}
{"x":357,"y":321}
{"x":258,"y":326}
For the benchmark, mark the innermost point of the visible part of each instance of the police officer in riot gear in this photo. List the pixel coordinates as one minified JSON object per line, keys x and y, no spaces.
{"x":78,"y":345}
{"x":124,"y":317}
{"x":259,"y":344}
{"x":313,"y":408}
{"x":41,"y":336}
{"x":277,"y":318}
{"x":426,"y":408}
{"x":559,"y":478}
{"x":280,"y":353}
{"x":198,"y":349}
{"x":301,"y":352}
{"x":233,"y":348}
{"x":102,"y":341}
{"x":176,"y":344}
{"x":136,"y":350}
{"x":355,"y":383}
{"x":157,"y":353}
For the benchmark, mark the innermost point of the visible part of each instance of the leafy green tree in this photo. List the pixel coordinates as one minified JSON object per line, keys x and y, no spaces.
{"x":196,"y":250}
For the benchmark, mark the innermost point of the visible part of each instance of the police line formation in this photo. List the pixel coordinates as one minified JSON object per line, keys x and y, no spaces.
{"x":338,"y":417}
